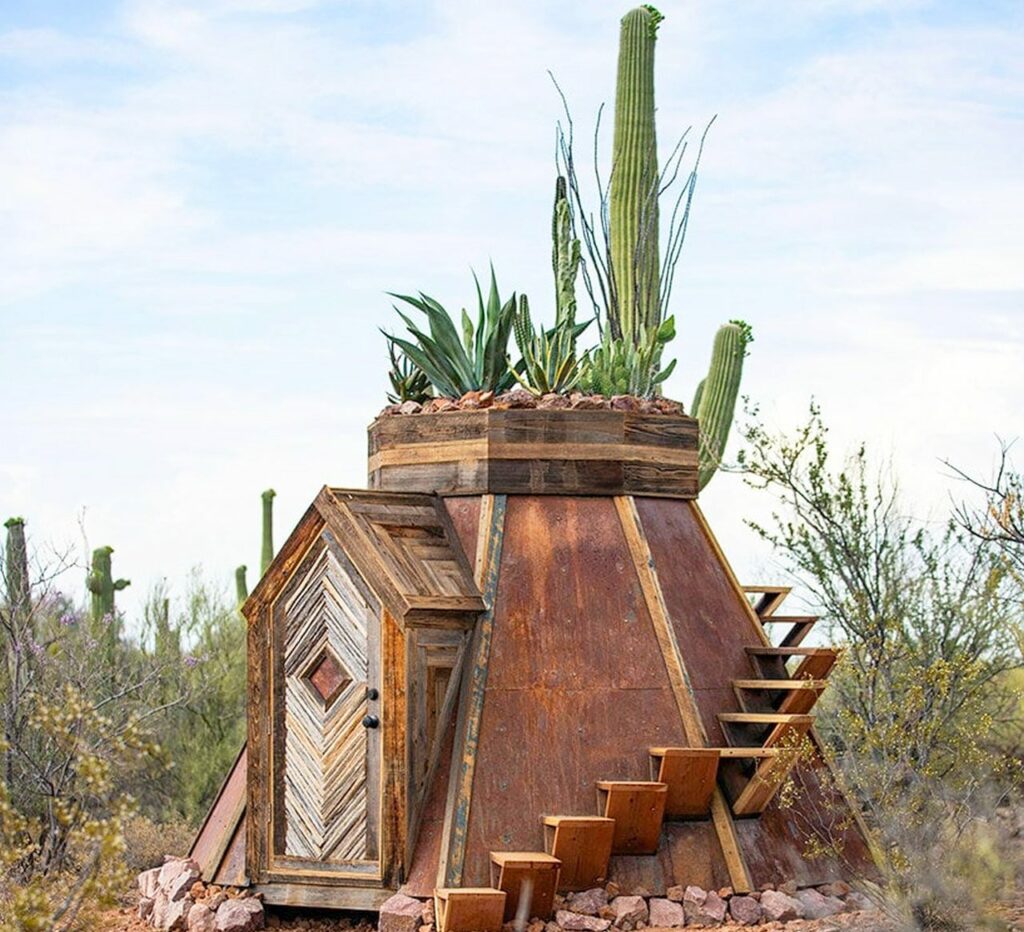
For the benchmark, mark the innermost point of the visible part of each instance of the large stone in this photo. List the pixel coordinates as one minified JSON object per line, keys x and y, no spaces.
{"x":244,"y":914}
{"x":578,"y":922}
{"x":837,"y":888}
{"x":666,"y":914}
{"x":675,"y":894}
{"x":778,"y":907}
{"x":703,"y":907}
{"x":817,"y":906}
{"x":745,"y":910}
{"x":149,"y":882}
{"x":400,"y":913}
{"x":201,"y":919}
{"x":177,"y":876}
{"x":588,"y":902}
{"x":171,"y":915}
{"x":631,"y":909}
{"x":145,"y":908}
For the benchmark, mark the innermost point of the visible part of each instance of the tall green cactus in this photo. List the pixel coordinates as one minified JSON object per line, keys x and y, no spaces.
{"x":633,"y":208}
{"x":565,"y":257}
{"x":241,"y":585}
{"x":715,"y":399}
{"x":268,"y":530}
{"x":103,"y":586}
{"x":16,"y":569}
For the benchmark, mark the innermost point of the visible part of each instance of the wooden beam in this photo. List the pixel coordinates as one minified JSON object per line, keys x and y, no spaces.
{"x":682,"y":688}
{"x":474,"y":684}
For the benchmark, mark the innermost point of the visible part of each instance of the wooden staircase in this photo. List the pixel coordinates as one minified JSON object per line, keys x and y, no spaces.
{"x":763,"y":745}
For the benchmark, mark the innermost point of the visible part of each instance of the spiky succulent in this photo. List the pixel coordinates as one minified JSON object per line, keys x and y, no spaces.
{"x":617,"y":366}
{"x":476,"y":362}
{"x":409,"y":381}
{"x":549,"y":357}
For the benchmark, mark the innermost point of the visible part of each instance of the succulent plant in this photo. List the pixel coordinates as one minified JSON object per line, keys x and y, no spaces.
{"x":715,"y":399}
{"x":549,"y":358}
{"x":267,"y":553}
{"x":476,"y":362}
{"x":565,"y":256}
{"x":103,"y":586}
{"x":241,"y":585}
{"x":617,"y":366}
{"x":409,"y":381}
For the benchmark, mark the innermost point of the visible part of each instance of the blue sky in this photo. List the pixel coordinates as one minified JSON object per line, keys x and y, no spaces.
{"x":202,"y":205}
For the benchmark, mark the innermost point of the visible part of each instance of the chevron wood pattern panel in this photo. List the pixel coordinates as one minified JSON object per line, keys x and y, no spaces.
{"x":326,"y":673}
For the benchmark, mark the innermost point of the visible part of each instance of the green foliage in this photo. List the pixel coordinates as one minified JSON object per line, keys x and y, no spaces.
{"x":549,"y":357}
{"x":477,"y":362}
{"x":715,"y":399}
{"x":241,"y":584}
{"x":102,"y":585}
{"x":633,"y":214}
{"x":913,"y":709}
{"x":619,"y":367}
{"x":267,"y":551}
{"x":409,"y":381}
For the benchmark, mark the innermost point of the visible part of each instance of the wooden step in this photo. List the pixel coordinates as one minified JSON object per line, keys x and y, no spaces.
{"x":638,"y":809}
{"x":690,"y":774}
{"x":770,"y":774}
{"x":522,"y":871}
{"x":766,"y":599}
{"x":818,"y":665}
{"x":469,"y":909}
{"x":797,"y":697}
{"x":730,"y":753}
{"x":800,"y":627}
{"x":584,"y":846}
{"x":761,"y":722}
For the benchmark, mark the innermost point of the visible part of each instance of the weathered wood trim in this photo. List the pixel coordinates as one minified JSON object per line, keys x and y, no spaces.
{"x":541,"y":452}
{"x":473,"y":687}
{"x":314,"y":896}
{"x":394,"y":794}
{"x":682,"y":688}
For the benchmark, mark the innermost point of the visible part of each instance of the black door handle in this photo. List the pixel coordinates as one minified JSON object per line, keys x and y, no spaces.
{"x":371,"y":721}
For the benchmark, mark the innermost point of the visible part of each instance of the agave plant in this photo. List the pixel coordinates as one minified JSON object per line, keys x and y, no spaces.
{"x":549,"y":357}
{"x":476,"y":362}
{"x":409,"y":381}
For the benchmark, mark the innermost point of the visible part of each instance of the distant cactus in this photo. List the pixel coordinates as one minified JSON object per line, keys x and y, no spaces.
{"x":565,"y":257}
{"x":633,"y":209}
{"x":241,"y":586}
{"x":715,"y":399}
{"x":16,"y":576}
{"x":267,"y":555}
{"x":102,"y":585}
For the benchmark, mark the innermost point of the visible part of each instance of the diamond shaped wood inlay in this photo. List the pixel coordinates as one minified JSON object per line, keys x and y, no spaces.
{"x":328,"y":677}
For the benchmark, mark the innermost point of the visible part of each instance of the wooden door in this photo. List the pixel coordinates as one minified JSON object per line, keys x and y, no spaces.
{"x":327,"y":787}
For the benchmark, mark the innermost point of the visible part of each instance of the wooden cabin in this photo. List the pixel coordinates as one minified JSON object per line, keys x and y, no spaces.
{"x":523,"y":654}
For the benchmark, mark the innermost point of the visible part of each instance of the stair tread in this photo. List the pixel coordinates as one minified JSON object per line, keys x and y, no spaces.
{"x":588,"y":819}
{"x":763,"y":718}
{"x":652,"y":785}
{"x":447,"y":891}
{"x":534,"y":857}
{"x":729,"y":752}
{"x":790,"y":651}
{"x":791,"y":619}
{"x":779,"y":684}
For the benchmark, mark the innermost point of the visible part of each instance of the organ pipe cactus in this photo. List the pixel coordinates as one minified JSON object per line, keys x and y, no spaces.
{"x":267,"y":554}
{"x":715,"y":399}
{"x":633,"y":208}
{"x":103,"y":586}
{"x":16,"y":569}
{"x":565,"y":257}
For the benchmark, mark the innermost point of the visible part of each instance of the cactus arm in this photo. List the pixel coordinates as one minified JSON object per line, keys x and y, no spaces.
{"x":267,"y":554}
{"x":695,"y":407}
{"x":715,"y":401}
{"x":633,"y":208}
{"x":122,"y":584}
{"x":241,"y":586}
{"x":565,"y":257}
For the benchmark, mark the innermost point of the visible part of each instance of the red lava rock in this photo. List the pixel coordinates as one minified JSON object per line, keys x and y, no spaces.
{"x":625,"y":403}
{"x":516,"y":398}
{"x":410,"y":407}
{"x":389,"y":410}
{"x":580,"y":402}
{"x":552,"y":400}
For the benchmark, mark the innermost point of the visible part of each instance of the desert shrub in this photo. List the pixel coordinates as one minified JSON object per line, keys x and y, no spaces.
{"x":912,"y":718}
{"x":147,"y":841}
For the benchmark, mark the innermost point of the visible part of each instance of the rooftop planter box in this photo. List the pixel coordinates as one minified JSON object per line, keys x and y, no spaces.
{"x":535,"y":452}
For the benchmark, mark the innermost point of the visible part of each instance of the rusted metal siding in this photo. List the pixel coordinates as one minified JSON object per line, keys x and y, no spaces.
{"x":577,"y":688}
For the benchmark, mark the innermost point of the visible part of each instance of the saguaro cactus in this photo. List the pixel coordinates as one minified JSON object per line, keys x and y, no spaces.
{"x":633,"y":208}
{"x":268,"y":530}
{"x":102,"y":585}
{"x":565,"y":257}
{"x":241,"y":586}
{"x":16,"y":568}
{"x":715,"y":399}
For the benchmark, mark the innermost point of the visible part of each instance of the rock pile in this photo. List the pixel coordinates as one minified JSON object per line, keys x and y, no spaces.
{"x":172,"y":897}
{"x":606,"y":909}
{"x":520,"y":398}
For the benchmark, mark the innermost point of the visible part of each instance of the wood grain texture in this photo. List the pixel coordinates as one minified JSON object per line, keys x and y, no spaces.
{"x":584,"y":846}
{"x":220,"y":827}
{"x":469,"y":909}
{"x":549,"y":452}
